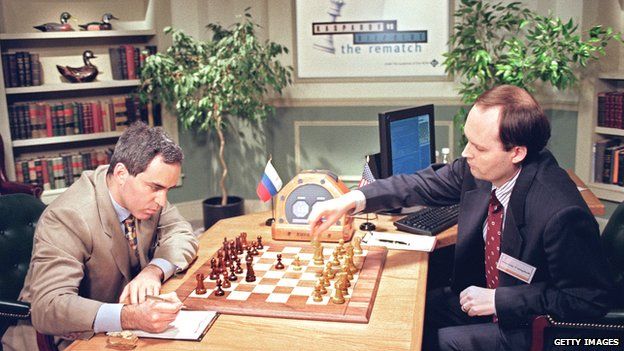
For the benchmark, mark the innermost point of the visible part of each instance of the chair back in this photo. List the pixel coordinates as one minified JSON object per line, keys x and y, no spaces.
{"x":613,"y":246}
{"x":18,"y":216}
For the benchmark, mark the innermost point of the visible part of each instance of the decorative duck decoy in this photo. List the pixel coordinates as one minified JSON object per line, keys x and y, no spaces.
{"x":57,"y":27}
{"x":104,"y":25}
{"x":86,"y":73}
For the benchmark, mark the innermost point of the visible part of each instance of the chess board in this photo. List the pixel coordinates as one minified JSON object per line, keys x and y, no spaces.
{"x":287,"y":293}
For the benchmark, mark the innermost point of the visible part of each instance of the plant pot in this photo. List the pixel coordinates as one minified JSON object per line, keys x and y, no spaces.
{"x":214,"y":211}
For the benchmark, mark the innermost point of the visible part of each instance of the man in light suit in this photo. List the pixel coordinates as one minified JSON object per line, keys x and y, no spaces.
{"x":105,"y":244}
{"x":516,"y":204}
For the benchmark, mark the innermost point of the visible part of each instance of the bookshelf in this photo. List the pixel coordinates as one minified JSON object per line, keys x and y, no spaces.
{"x":141,"y":23}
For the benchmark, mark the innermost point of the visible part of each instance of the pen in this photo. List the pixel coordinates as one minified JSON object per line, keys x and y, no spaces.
{"x":393,"y":242}
{"x":158,"y":298}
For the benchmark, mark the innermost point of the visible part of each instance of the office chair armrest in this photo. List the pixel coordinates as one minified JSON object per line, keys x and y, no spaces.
{"x":14,"y":310}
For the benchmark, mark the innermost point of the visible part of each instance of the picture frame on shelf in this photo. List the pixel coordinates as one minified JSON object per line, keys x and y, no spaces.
{"x":397,"y":40}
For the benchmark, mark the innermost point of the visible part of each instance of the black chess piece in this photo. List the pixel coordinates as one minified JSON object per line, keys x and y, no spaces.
{"x":254,"y":249}
{"x":200,"y":289}
{"x":279,"y":264}
{"x":219,"y":291}
{"x":239,"y":247}
{"x":260,"y":246}
{"x":243,"y":237}
{"x":226,"y":281}
{"x":233,"y":276}
{"x":239,"y":269}
{"x":251,"y":275}
{"x":213,"y":272}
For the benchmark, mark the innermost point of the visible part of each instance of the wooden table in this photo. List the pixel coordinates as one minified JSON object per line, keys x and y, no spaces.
{"x":395,"y":323}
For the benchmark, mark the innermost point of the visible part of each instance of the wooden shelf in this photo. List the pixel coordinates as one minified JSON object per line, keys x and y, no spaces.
{"x":65,"y":139}
{"x":73,"y":86}
{"x":77,"y":34}
{"x":609,"y":131}
{"x":615,"y":75}
{"x":609,"y":192}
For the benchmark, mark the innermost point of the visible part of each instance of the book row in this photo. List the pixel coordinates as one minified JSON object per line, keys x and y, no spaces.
{"x":21,"y":69}
{"x":127,"y":60}
{"x":61,"y":171}
{"x":42,"y":119}
{"x":611,"y":109}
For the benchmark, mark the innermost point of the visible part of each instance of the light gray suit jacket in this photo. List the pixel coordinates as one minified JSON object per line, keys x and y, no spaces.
{"x":81,"y":259}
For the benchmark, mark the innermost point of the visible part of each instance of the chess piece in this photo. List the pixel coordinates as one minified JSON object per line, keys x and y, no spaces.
{"x":279,"y":264}
{"x":316,"y":295}
{"x":338,"y":297}
{"x":239,"y":246}
{"x":254,"y":248}
{"x":219,"y":291}
{"x":233,"y":276}
{"x":345,"y":270}
{"x":200,"y":289}
{"x":318,"y":253}
{"x":321,"y":286}
{"x":213,"y":272}
{"x":239,"y":269}
{"x":349,"y":260}
{"x":329,"y":270}
{"x":357,"y":247}
{"x":243,"y":237}
{"x":335,"y":261}
{"x":260,"y":246}
{"x":226,"y":281}
{"x":341,"y":249}
{"x":325,"y":280}
{"x":296,"y":264}
{"x":251,"y":276}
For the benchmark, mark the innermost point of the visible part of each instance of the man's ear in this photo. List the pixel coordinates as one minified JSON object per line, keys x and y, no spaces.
{"x":120,"y":173}
{"x":519,"y":154}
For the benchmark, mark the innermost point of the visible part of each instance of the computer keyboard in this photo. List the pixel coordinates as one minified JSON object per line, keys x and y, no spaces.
{"x":429,"y":220}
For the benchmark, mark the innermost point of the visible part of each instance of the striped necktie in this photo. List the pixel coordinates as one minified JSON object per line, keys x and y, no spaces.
{"x":492,"y":242}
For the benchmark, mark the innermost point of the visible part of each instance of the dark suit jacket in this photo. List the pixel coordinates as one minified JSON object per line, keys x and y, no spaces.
{"x":547,"y":225}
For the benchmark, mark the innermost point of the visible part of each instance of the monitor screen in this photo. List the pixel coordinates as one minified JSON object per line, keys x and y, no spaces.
{"x":406,"y":140}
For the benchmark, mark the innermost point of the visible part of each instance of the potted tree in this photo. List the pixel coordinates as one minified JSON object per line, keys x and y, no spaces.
{"x":206,"y":83}
{"x":496,"y":43}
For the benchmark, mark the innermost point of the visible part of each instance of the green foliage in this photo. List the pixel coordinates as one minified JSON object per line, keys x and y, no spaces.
{"x":204,"y":83}
{"x":496,"y":43}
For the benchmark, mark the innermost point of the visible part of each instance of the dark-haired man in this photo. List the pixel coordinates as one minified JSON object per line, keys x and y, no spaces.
{"x":516,"y":204}
{"x":106,"y":243}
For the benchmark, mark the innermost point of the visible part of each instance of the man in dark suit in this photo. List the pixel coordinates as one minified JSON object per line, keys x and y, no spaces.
{"x":527,"y":243}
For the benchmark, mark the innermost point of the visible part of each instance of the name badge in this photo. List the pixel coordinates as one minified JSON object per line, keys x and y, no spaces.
{"x":515,"y":268}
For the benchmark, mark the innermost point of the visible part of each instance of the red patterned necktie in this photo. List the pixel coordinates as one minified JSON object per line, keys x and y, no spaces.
{"x":130,"y":227}
{"x":492,"y":241}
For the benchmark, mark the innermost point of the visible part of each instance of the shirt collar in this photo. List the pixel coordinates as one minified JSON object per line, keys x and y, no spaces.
{"x":503,"y":193}
{"x":121,"y":212}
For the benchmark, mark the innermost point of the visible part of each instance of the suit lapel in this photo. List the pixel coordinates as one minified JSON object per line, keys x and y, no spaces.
{"x":111,"y":225}
{"x":145,"y":237}
{"x":512,"y":241}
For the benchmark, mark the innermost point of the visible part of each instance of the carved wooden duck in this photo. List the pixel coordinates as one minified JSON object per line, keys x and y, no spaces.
{"x":86,"y":73}
{"x":104,"y":25}
{"x":57,"y":27}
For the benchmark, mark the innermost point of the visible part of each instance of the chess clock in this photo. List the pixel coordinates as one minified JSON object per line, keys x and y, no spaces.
{"x":296,"y":200}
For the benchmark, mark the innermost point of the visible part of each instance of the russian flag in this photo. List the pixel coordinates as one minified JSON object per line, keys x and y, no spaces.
{"x":270,"y":183}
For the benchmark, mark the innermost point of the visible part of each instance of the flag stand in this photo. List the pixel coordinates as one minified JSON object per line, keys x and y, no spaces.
{"x":269,"y":221}
{"x":367,"y":226}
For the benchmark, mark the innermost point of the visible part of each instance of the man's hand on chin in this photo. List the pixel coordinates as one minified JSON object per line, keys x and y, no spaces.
{"x":148,"y":282}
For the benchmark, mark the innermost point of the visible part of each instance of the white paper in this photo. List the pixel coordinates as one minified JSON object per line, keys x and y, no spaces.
{"x":400,"y":241}
{"x":188,"y":325}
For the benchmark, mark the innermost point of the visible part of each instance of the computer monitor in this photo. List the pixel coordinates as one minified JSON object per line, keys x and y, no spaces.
{"x":407,"y":142}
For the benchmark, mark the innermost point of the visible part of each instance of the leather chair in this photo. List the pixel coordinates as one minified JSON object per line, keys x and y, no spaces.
{"x":546,"y":328}
{"x":9,"y":187}
{"x":18,"y":216}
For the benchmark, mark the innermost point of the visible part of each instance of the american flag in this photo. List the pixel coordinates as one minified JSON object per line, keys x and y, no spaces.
{"x":367,"y":176}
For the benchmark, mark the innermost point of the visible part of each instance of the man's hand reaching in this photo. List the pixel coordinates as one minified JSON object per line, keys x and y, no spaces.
{"x":148,"y":282}
{"x":325,"y":214}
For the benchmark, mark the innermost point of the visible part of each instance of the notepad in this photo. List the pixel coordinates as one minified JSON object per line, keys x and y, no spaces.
{"x":188,"y":325}
{"x":400,"y":241}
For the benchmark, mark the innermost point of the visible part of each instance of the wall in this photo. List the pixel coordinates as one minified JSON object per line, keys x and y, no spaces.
{"x":331,"y":125}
